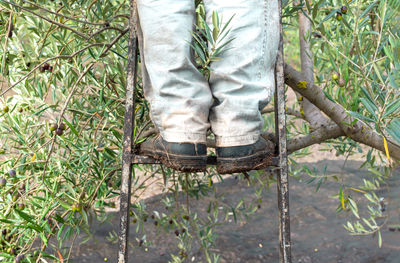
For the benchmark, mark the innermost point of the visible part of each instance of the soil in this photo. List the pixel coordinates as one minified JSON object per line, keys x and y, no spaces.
{"x":316,"y":229}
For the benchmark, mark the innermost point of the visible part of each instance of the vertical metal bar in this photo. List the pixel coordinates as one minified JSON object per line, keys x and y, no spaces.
{"x":129,"y":126}
{"x":282,"y":172}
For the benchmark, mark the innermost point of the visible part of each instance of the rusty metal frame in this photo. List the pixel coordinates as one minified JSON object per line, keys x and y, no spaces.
{"x":129,"y":158}
{"x":129,"y":127}
{"x":281,"y":139}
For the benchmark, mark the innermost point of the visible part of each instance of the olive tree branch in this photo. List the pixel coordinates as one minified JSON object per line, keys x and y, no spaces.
{"x":61,"y":116}
{"x":109,"y":46}
{"x":6,"y":41}
{"x":319,"y":135}
{"x":104,"y":29}
{"x":311,"y":113}
{"x":353,"y":128}
{"x":50,"y":59}
{"x":72,"y":18}
{"x":47,"y":34}
{"x":69,"y":98}
{"x":48,"y":19}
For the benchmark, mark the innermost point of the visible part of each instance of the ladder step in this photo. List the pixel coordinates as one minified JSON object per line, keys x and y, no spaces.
{"x":211,"y":160}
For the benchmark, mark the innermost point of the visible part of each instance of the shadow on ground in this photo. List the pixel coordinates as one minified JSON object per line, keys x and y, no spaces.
{"x":317,"y":230}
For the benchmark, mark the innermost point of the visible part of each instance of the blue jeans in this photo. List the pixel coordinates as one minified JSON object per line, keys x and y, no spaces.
{"x":184,"y":105}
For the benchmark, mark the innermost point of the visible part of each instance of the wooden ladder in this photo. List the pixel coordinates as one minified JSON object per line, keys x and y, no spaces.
{"x":129,"y":158}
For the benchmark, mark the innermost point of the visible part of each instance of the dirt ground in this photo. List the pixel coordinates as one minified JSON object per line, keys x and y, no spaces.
{"x":316,"y":229}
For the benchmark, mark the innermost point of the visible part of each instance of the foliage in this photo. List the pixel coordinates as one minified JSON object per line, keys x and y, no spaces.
{"x":65,"y":62}
{"x":356,"y":46}
{"x":72,"y":71}
{"x":363,"y":50}
{"x":208,"y":43}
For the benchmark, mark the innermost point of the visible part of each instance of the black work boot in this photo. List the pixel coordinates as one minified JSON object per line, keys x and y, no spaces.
{"x":236,"y":159}
{"x":185,"y":157}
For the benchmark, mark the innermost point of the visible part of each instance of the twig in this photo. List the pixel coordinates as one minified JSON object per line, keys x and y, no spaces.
{"x":149,"y":132}
{"x":141,"y":130}
{"x":104,"y":29}
{"x":60,"y":118}
{"x":48,"y":236}
{"x":288,"y":111}
{"x":6,"y":41}
{"x":50,"y":59}
{"x":317,"y":136}
{"x":67,"y":17}
{"x":47,"y":34}
{"x":48,"y":19}
{"x":73,"y":90}
{"x":109,"y":46}
{"x":99,"y":184}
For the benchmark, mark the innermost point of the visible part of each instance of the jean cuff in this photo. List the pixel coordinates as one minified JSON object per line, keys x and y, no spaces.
{"x":222,"y":141}
{"x":183,"y":136}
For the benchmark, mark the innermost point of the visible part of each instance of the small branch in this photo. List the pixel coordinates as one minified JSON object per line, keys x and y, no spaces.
{"x":64,"y":16}
{"x":288,"y":111}
{"x":6,"y":41}
{"x":104,"y":29}
{"x":48,"y":19}
{"x":60,"y":118}
{"x":71,"y":93}
{"x":148,"y":133}
{"x":50,"y":59}
{"x":45,"y":38}
{"x":318,"y":136}
{"x":109,"y":46}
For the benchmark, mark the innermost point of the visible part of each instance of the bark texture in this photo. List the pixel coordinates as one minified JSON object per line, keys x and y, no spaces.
{"x":350,"y":126}
{"x":311,"y":113}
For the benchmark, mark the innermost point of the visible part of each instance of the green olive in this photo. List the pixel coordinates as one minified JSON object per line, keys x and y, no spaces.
{"x":53,"y":127}
{"x":6,"y":109}
{"x":335,"y":76}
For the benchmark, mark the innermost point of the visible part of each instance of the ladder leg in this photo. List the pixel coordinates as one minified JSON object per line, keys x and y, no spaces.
{"x":129,"y":126}
{"x":282,"y":172}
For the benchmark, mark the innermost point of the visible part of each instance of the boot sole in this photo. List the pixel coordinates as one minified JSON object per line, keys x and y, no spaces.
{"x":244,"y":164}
{"x":178,"y":162}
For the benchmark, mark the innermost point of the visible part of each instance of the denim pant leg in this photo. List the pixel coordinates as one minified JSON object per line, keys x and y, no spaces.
{"x":179,"y":96}
{"x":243,"y":81}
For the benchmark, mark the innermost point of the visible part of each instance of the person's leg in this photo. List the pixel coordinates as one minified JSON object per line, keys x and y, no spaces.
{"x":243,"y":81}
{"x":179,"y":96}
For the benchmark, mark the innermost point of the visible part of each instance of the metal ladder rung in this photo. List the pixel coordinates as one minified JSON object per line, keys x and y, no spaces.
{"x":211,"y":160}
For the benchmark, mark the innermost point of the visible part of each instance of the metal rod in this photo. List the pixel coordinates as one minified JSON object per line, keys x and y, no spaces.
{"x":282,"y":172}
{"x":129,"y":127}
